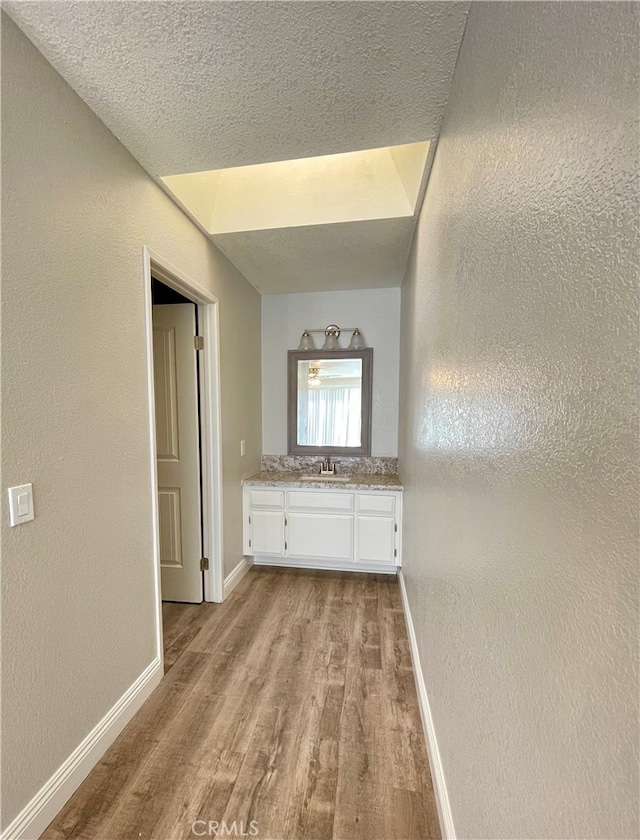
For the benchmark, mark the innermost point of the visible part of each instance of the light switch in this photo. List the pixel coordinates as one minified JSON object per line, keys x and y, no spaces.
{"x":243,"y":448}
{"x":21,"y":504}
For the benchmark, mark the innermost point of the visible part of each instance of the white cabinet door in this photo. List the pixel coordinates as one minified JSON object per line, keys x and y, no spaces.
{"x":322,"y":536}
{"x":267,"y":532}
{"x":376,"y":539}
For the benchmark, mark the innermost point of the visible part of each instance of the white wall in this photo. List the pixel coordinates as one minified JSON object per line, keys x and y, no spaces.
{"x":284,"y":317}
{"x":519,"y":435}
{"x":77,"y":582}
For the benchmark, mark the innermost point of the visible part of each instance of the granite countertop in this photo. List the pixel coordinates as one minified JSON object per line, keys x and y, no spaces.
{"x":356,"y":481}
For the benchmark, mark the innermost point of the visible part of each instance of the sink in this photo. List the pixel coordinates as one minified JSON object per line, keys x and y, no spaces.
{"x":340,"y":479}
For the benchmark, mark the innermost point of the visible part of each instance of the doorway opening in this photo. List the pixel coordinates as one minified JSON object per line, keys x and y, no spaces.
{"x":183,"y":374}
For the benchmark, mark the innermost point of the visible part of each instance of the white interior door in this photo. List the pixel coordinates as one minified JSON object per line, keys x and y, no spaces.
{"x":178,"y":451}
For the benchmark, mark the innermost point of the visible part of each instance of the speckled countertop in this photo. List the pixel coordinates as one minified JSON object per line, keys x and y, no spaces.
{"x":356,"y":481}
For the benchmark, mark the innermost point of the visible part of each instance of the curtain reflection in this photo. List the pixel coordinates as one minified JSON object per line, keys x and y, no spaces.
{"x":334,"y":416}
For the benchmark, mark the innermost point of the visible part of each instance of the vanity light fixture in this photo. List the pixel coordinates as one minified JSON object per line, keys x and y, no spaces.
{"x":357,"y":341}
{"x":332,"y":334}
{"x":306,"y":342}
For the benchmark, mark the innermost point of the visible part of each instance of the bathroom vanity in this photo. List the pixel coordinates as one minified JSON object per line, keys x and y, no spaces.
{"x":349,"y":523}
{"x":298,"y":511}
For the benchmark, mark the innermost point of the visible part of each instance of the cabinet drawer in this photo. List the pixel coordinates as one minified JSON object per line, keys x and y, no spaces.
{"x":322,"y":500}
{"x":266,"y":498}
{"x":376,"y":503}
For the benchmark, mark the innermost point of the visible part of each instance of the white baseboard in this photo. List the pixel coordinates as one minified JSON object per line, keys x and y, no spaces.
{"x":328,"y":565}
{"x":437,"y":772}
{"x":36,"y":816}
{"x":234,"y":577}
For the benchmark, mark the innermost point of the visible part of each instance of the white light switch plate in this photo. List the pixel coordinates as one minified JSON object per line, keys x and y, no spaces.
{"x":21,"y":504}
{"x":243,"y":447}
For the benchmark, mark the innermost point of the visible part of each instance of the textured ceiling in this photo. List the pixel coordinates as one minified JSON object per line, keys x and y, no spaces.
{"x":353,"y":255}
{"x":205,"y":85}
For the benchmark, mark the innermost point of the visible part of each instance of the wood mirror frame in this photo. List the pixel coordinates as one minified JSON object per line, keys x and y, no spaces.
{"x":295,"y":356}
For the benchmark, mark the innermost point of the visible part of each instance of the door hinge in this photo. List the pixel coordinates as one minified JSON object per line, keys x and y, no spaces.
{"x":198,"y":342}
{"x":285,"y":520}
{"x":395,"y":552}
{"x":249,"y":520}
{"x":395,"y":527}
{"x":285,"y":546}
{"x":204,"y":564}
{"x":249,"y":543}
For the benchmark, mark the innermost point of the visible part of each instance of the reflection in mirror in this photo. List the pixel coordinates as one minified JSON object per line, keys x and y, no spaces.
{"x":329,"y":402}
{"x":329,"y":410}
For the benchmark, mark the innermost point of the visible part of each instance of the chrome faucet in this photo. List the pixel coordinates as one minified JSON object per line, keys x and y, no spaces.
{"x":327,"y":466}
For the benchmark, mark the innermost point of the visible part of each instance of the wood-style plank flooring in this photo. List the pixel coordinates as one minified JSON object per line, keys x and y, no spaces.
{"x":292,"y":704}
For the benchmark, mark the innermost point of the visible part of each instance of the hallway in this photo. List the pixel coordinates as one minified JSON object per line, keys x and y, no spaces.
{"x":292,"y":704}
{"x":448,"y":190}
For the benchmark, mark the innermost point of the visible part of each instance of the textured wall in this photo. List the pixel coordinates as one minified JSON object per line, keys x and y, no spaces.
{"x":284,"y":317}
{"x":518,"y":439}
{"x":77,"y":609}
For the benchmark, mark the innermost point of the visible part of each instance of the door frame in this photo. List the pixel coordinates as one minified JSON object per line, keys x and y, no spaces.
{"x":210,"y":421}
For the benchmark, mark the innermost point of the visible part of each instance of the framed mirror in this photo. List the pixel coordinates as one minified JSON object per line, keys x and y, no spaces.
{"x":329,"y":409}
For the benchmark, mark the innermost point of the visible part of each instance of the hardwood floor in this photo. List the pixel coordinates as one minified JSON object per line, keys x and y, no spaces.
{"x":292,"y":704}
